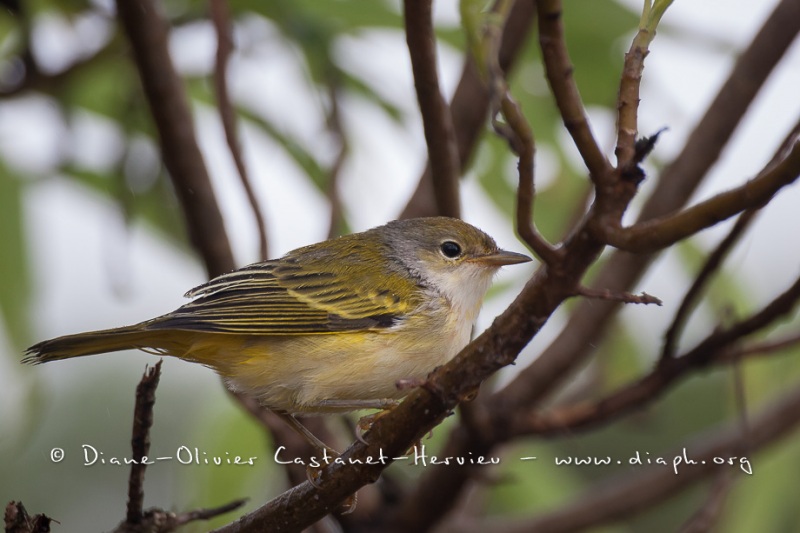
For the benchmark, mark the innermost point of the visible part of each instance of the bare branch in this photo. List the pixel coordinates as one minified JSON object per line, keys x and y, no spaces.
{"x":436,"y":117}
{"x":146,"y":29}
{"x":140,"y":441}
{"x":484,"y":35}
{"x":714,"y":130}
{"x":523,"y":143}
{"x":336,"y":127}
{"x":711,"y":265}
{"x":220,"y":15}
{"x":470,"y":105}
{"x":763,"y":349}
{"x":657,"y":234}
{"x":437,"y":491}
{"x":138,"y":520}
{"x":558,"y":69}
{"x":623,"y":297}
{"x":569,"y":419}
{"x":207,"y":514}
{"x":630,"y":83}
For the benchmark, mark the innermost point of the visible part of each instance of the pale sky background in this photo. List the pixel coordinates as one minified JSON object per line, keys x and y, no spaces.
{"x":90,"y":271}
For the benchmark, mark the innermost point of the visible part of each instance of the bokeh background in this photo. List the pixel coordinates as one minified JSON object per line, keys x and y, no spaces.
{"x":92,"y":236}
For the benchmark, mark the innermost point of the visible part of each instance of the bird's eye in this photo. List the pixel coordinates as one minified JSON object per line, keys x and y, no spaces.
{"x":451,"y":249}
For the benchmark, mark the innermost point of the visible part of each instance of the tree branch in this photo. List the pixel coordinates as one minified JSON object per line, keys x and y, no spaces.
{"x":470,"y":105}
{"x":630,"y":83}
{"x":660,"y":233}
{"x":711,"y":134}
{"x":437,"y":490}
{"x":711,"y":265}
{"x":613,"y":296}
{"x":436,"y":117}
{"x":153,"y":520}
{"x":220,"y":16}
{"x":763,"y":349}
{"x":558,"y":69}
{"x":570,"y":419}
{"x":146,"y":29}
{"x":140,"y":441}
{"x":520,"y":137}
{"x":335,"y":126}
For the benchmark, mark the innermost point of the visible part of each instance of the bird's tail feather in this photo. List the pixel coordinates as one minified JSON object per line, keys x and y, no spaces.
{"x":95,"y":342}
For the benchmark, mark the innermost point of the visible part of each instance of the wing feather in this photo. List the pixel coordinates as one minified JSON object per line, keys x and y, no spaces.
{"x":300,"y":293}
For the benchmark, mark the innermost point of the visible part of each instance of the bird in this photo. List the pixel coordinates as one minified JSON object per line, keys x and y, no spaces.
{"x":328,"y":328}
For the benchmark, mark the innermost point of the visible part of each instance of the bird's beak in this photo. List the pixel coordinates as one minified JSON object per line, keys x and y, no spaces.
{"x":501,"y":258}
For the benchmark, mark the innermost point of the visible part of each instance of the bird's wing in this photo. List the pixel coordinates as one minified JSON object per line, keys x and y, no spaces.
{"x":294,"y":296}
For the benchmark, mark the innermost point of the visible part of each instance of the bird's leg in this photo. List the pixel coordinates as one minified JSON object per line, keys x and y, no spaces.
{"x":313,"y":475}
{"x":303,"y":431}
{"x":364,"y":423}
{"x":355,"y":405}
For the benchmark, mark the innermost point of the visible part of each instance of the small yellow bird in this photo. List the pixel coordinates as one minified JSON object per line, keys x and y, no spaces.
{"x":330,"y":327}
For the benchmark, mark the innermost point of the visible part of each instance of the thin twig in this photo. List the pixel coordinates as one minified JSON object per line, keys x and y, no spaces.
{"x":711,"y":265}
{"x":336,"y":128}
{"x":484,"y":35}
{"x":157,"y":520}
{"x":220,"y":15}
{"x":524,"y":144}
{"x":763,"y":349}
{"x":630,"y":84}
{"x":140,"y":441}
{"x":208,"y":514}
{"x":437,"y":120}
{"x":614,"y":296}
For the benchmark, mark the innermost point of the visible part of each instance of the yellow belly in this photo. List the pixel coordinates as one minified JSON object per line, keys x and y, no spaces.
{"x":298,"y":374}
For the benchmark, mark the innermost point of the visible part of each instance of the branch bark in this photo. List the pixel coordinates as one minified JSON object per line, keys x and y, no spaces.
{"x":140,"y":441}
{"x":558,"y":68}
{"x":146,"y":29}
{"x":437,"y":119}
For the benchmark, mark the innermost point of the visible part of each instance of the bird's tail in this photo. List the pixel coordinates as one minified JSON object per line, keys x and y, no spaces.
{"x":95,"y":342}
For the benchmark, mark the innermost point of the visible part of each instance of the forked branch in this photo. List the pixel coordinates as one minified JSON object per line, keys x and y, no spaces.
{"x":660,"y":233}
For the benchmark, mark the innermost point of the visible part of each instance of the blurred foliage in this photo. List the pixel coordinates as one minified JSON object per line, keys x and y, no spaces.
{"x":14,"y":279}
{"x":105,"y":84}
